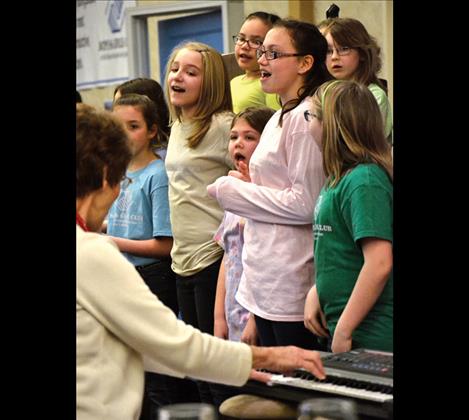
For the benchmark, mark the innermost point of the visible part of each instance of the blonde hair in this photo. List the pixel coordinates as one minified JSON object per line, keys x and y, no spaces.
{"x":215,"y":93}
{"x":353,"y":131}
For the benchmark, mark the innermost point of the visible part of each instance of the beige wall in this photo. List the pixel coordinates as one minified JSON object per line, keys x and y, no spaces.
{"x":278,"y":7}
{"x":376,"y":15}
{"x":97,"y":96}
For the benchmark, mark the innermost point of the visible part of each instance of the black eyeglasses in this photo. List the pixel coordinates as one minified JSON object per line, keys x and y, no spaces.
{"x":273,"y":55}
{"x":309,"y":115}
{"x":252,"y":43}
{"x":340,"y":50}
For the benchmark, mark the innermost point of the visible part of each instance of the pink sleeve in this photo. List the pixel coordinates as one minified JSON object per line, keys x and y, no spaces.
{"x":292,"y":205}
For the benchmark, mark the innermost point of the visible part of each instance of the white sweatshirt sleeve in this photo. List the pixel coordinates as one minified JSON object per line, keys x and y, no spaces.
{"x":111,"y":290}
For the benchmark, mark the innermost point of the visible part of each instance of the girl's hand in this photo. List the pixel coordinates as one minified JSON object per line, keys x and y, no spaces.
{"x":314,"y":318}
{"x":242,"y":174}
{"x":341,"y":342}
{"x":249,"y":335}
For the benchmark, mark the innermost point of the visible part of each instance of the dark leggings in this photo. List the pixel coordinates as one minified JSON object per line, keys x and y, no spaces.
{"x":162,"y":282}
{"x":196,"y":297}
{"x":279,"y":333}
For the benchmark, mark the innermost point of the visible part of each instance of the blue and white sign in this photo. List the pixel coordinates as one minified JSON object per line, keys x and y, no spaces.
{"x":101,"y":48}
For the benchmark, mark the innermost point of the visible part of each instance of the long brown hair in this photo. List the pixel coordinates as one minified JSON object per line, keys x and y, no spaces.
{"x":353,"y":131}
{"x":348,"y":32}
{"x":307,"y":40}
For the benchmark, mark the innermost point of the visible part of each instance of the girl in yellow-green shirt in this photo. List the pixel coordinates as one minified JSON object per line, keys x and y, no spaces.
{"x":246,"y":90}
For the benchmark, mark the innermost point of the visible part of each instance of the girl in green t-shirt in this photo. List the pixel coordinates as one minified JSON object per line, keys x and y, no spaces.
{"x":352,"y":300}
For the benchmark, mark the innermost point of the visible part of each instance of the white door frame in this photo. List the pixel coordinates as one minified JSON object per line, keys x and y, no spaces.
{"x":137,"y":31}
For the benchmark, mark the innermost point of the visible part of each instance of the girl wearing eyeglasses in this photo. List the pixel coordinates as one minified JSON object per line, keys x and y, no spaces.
{"x":246,"y":90}
{"x":353,"y":54}
{"x":286,"y":176}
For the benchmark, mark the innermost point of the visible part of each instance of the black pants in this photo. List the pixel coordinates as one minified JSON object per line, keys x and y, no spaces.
{"x":163,"y":389}
{"x":196,"y":297}
{"x":279,"y":333}
{"x":162,"y":282}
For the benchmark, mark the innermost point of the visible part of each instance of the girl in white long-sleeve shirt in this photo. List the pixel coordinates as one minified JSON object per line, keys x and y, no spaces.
{"x":286,"y":177}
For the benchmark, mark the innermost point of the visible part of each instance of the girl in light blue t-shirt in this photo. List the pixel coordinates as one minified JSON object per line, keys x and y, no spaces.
{"x":139,"y":222}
